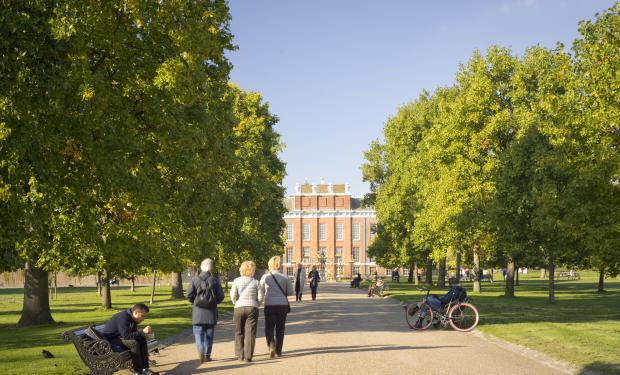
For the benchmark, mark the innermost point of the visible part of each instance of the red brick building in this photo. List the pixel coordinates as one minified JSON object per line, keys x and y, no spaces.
{"x":327,"y":227}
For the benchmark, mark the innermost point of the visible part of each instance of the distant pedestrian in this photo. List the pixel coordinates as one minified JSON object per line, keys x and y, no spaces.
{"x":276,"y":288}
{"x":204,"y":318}
{"x":504,"y":273}
{"x":246,"y":294}
{"x":300,"y":281}
{"x":314,"y":281}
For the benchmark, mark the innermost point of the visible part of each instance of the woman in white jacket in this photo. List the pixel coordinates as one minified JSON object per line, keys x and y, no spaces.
{"x":300,"y":281}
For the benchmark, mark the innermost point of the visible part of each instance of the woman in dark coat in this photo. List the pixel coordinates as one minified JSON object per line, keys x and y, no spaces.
{"x":314,"y":278}
{"x":204,"y":319}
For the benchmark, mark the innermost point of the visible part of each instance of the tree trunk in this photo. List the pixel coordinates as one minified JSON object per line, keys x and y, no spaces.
{"x":458,"y":267}
{"x":99,"y":283}
{"x":476,"y":270}
{"x":36,"y":307}
{"x":411,"y":273}
{"x":429,"y":271}
{"x":441,"y":273}
{"x":510,"y":279}
{"x":601,"y":280}
{"x":132,"y":279}
{"x":543,"y":273}
{"x":516,"y":275}
{"x":106,"y":293}
{"x":55,"y":285}
{"x":177,"y":285}
{"x":153,"y":287}
{"x":415,"y":273}
{"x":551,"y":278}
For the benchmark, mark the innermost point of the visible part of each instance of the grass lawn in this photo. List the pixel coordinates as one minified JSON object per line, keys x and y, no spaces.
{"x":581,"y":328}
{"x":20,"y":348}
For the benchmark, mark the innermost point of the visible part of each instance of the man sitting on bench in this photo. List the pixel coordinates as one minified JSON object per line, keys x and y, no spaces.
{"x":122,"y":332}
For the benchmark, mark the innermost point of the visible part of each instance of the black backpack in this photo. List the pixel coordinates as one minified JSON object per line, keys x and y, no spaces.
{"x":205,"y":297}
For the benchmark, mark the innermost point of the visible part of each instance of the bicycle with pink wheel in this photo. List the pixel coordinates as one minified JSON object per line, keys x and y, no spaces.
{"x":460,"y":314}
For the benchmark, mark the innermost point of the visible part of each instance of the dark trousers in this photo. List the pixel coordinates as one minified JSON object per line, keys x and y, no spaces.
{"x":139,"y":353}
{"x":275,"y":318}
{"x":297,"y":292}
{"x":313,"y":290}
{"x":245,"y":320}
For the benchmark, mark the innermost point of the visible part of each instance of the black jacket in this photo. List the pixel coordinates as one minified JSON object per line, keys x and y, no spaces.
{"x":202,"y":315}
{"x":121,"y":326}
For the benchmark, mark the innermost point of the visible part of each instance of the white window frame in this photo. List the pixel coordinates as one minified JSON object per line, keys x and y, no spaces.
{"x":339,"y":231}
{"x":306,"y":259}
{"x":289,"y":232}
{"x":355,"y":231}
{"x":355,"y":251}
{"x":305,"y":232}
{"x":322,"y":232}
{"x":289,"y":255}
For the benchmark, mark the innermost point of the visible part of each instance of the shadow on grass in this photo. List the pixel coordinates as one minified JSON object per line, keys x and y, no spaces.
{"x":600,"y":368}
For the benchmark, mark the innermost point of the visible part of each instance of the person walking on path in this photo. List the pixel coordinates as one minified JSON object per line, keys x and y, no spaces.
{"x":300,"y":282}
{"x":204,"y":318}
{"x":276,"y":288}
{"x":314,"y":281}
{"x":245,"y":293}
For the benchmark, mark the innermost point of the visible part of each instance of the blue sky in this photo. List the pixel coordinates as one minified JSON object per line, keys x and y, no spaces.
{"x":334,"y":71}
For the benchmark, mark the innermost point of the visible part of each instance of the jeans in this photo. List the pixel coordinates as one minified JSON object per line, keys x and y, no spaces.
{"x":434,"y":302}
{"x":204,"y":338}
{"x":275,"y":319}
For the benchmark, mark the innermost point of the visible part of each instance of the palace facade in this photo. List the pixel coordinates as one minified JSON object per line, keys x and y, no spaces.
{"x":327,"y":227}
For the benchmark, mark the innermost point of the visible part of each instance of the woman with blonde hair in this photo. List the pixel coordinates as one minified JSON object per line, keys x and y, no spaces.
{"x":276,"y":288}
{"x":246,"y":294}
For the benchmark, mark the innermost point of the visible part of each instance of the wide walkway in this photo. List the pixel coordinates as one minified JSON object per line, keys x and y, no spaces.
{"x":345,"y":332}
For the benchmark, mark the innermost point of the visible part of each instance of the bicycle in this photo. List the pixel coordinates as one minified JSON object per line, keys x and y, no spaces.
{"x":460,"y":315}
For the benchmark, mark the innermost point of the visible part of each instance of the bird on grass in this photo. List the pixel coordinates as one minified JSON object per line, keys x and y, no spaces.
{"x":46,"y":354}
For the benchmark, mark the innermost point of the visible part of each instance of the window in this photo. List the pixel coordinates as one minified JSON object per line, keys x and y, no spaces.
{"x":289,"y":255}
{"x":373,"y":231}
{"x":322,"y":232}
{"x":305,"y":232}
{"x":356,"y":270}
{"x":373,"y":269}
{"x":322,"y":252}
{"x":373,"y":259}
{"x":356,"y":254}
{"x":339,"y":230}
{"x":356,"y":232}
{"x":339,"y":270}
{"x":338,"y":255}
{"x":290,"y":272}
{"x":289,"y":232}
{"x":306,"y":256}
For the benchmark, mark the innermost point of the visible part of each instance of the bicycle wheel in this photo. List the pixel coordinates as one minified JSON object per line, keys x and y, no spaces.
{"x":463,"y":317}
{"x":419,"y":318}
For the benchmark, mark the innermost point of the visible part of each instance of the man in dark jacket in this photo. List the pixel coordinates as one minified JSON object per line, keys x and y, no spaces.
{"x":122,"y":332}
{"x":204,"y":319}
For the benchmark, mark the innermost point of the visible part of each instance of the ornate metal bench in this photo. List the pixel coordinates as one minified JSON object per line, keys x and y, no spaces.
{"x":97,"y":353}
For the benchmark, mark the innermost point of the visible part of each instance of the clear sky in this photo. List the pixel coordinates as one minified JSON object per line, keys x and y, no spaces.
{"x":333,"y":71}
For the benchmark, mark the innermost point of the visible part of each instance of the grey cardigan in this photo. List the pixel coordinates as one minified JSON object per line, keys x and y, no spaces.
{"x":273,"y":295}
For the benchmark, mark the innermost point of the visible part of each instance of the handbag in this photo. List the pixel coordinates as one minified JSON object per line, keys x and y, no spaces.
{"x":288,"y":310}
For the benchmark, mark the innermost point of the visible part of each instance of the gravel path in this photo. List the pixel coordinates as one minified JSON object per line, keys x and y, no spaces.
{"x":345,"y":332}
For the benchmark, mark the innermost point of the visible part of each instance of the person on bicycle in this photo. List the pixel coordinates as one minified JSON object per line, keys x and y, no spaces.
{"x":454,"y":293}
